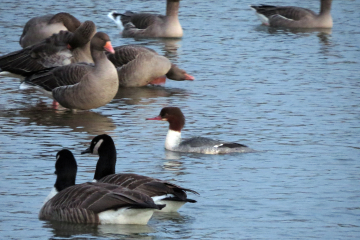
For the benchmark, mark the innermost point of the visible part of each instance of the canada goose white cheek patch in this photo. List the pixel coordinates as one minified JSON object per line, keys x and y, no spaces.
{"x":97,"y":145}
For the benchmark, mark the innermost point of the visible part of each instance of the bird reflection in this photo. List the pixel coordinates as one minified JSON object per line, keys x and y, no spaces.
{"x":81,"y":121}
{"x":66,"y":230}
{"x":133,"y":96}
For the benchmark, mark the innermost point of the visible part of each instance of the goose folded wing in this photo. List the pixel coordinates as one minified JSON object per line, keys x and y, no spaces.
{"x":127,"y":53}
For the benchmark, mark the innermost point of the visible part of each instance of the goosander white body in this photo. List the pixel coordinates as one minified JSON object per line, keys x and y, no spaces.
{"x":204,"y":145}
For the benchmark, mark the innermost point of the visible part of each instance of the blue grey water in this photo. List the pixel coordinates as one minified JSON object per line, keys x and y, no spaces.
{"x":292,"y":96}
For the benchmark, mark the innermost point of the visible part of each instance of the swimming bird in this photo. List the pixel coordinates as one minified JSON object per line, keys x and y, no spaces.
{"x":60,"y":49}
{"x":150,"y":25}
{"x":294,"y":17}
{"x":173,"y":141}
{"x":162,"y":192}
{"x":42,"y":27}
{"x":97,"y":203}
{"x":81,"y":85}
{"x":139,"y":66}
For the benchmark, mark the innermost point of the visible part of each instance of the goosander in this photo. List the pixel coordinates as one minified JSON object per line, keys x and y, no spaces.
{"x":97,"y":203}
{"x":162,"y":192}
{"x":294,"y":17}
{"x":173,"y":141}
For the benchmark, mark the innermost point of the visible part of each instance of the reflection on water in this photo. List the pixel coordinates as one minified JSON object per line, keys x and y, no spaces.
{"x":81,"y":121}
{"x":62,"y":229}
{"x":134,"y":96}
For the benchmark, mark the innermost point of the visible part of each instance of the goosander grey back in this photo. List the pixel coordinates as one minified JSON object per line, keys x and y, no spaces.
{"x":97,"y":203}
{"x":173,"y":141}
{"x":162,"y":192}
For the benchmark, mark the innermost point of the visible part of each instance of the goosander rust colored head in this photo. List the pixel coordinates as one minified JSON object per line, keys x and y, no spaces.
{"x":173,"y":141}
{"x":174,"y":116}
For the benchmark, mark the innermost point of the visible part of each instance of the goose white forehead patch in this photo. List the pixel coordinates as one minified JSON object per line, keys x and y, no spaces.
{"x":97,"y":145}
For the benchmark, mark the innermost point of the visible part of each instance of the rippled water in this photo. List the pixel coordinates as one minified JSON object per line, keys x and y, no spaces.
{"x":293,"y":96}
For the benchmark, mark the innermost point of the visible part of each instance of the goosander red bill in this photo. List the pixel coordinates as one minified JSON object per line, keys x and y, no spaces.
{"x":173,"y":141}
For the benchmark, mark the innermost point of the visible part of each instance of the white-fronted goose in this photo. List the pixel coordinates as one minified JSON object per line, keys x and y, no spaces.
{"x":93,"y":202}
{"x":173,"y":141}
{"x":138,"y":66}
{"x":150,"y":25}
{"x":60,"y":49}
{"x":81,"y":85}
{"x":162,"y":192}
{"x":39,"y":28}
{"x":295,"y":17}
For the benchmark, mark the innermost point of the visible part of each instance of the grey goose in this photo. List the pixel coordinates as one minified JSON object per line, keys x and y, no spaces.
{"x":81,"y":85}
{"x":139,"y":66}
{"x":295,"y":17}
{"x":60,"y":49}
{"x":96,"y":203}
{"x":162,"y":192}
{"x":39,"y":28}
{"x":150,"y":25}
{"x":173,"y":142}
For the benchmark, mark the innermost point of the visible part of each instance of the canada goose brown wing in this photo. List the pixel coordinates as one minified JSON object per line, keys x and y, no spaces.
{"x":51,"y":52}
{"x":59,"y":76}
{"x":147,"y":185}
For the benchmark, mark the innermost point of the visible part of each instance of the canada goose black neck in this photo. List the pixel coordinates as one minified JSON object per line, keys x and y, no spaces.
{"x":66,"y":169}
{"x":107,"y":157}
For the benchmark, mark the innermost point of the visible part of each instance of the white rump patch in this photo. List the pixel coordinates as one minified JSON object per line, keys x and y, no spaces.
{"x":52,"y":193}
{"x":116,"y":20}
{"x":171,"y":206}
{"x":139,"y":216}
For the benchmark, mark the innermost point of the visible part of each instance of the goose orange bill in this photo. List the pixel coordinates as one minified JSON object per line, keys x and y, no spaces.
{"x":189,"y":77}
{"x":108,"y":47}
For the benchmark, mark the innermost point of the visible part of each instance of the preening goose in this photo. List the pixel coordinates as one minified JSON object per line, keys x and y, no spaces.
{"x":81,"y":85}
{"x":173,"y":141}
{"x":138,"y":66}
{"x":60,"y":49}
{"x":150,"y":25}
{"x":39,"y":28}
{"x":93,"y":202}
{"x":294,"y":17}
{"x":162,"y":192}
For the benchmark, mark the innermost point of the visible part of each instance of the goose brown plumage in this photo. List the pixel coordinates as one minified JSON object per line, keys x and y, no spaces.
{"x":138,"y":66}
{"x":81,"y":85}
{"x":96,"y":203}
{"x":162,"y":192}
{"x":295,"y":17}
{"x":60,"y":49}
{"x":39,"y":28}
{"x":150,"y":25}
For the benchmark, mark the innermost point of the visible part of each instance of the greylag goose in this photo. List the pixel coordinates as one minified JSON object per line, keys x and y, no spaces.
{"x":39,"y":28}
{"x":97,"y":203}
{"x":150,"y":25}
{"x":60,"y":49}
{"x":138,"y":66}
{"x":162,"y":192}
{"x":173,"y":141}
{"x":81,"y":85}
{"x":294,"y":17}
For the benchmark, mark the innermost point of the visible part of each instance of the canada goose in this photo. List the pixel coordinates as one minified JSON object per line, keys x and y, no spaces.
{"x":173,"y":141}
{"x":138,"y":66}
{"x":162,"y":192}
{"x":294,"y":17}
{"x":39,"y":28}
{"x":81,"y":85}
{"x":150,"y":25}
{"x":92,"y":202}
{"x":60,"y":49}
